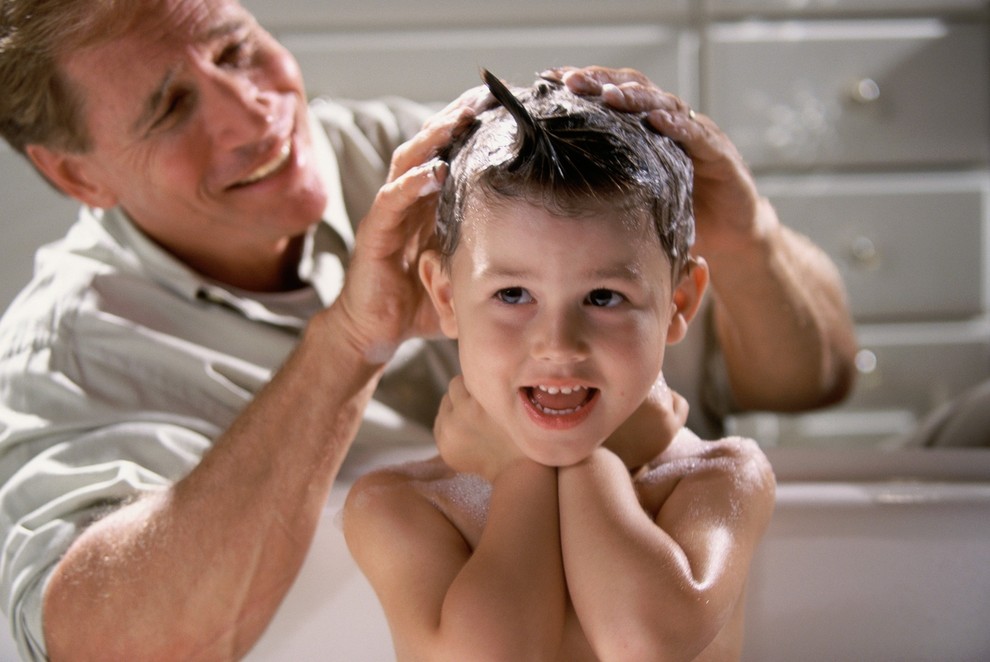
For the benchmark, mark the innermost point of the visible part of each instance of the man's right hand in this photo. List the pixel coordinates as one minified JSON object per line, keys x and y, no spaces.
{"x":383,"y":301}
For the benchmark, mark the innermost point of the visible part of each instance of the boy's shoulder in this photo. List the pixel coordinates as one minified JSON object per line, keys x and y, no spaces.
{"x":412,"y":493}
{"x":740,"y":461}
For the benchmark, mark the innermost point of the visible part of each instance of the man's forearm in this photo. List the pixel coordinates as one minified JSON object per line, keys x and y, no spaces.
{"x":197,"y":571}
{"x":783,"y":321}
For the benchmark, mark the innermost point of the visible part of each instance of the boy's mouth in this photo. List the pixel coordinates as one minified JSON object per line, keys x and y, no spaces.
{"x":559,"y":400}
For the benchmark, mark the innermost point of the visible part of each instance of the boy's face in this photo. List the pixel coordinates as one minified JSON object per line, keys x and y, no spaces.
{"x":561,"y":322}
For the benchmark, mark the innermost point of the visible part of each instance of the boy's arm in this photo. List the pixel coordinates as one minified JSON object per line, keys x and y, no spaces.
{"x":504,"y":600}
{"x":660,"y":588}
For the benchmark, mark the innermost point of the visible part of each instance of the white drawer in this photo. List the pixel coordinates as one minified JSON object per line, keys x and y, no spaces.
{"x":905,"y":373}
{"x":852,"y":93}
{"x":918,"y":367}
{"x":908,"y":247}
{"x":324,"y":15}
{"x":437,"y":66}
{"x":829,"y":429}
{"x":721,"y":8}
{"x":32,"y":214}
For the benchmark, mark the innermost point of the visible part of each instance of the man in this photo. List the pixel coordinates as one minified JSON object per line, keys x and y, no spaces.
{"x":188,"y":369}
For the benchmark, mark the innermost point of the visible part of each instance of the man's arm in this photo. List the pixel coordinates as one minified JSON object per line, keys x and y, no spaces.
{"x":196,"y":571}
{"x":781,"y":313}
{"x":780,"y":306}
{"x":662,"y":584}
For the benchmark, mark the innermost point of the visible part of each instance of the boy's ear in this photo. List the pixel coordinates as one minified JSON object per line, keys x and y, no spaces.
{"x":688,"y":294}
{"x":436,"y":280}
{"x":70,"y":173}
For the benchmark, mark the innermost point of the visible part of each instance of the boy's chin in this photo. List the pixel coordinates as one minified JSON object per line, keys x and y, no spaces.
{"x":559,"y":457}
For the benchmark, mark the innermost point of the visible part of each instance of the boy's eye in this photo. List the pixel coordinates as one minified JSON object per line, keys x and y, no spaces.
{"x":604,"y":298}
{"x":513,"y":295}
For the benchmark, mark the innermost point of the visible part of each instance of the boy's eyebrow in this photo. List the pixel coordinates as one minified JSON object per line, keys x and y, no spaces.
{"x":160,"y":92}
{"x":625,"y":271}
{"x":619,"y":272}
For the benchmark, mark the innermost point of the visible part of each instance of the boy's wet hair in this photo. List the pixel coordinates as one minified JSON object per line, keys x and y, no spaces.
{"x":573,"y":156}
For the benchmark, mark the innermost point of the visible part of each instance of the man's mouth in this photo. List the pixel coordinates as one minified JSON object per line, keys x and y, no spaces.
{"x":559,"y":400}
{"x":269,"y":168}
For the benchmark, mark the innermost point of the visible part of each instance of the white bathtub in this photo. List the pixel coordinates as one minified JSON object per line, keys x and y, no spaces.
{"x":874,"y":556}
{"x":870,"y":556}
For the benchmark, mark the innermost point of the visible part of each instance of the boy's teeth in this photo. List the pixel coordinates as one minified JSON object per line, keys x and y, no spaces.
{"x":566,"y":390}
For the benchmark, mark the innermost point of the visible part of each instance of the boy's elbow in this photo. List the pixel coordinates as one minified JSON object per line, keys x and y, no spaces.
{"x":507,"y":648}
{"x":679,"y":629}
{"x":650,"y":641}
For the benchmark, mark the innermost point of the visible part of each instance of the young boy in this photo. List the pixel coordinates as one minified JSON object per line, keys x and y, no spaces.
{"x":551,"y":533}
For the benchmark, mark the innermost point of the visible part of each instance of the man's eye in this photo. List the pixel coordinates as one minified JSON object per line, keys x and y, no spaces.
{"x":513,"y":295}
{"x":604,"y":298}
{"x":172,"y":109}
{"x":234,"y":55}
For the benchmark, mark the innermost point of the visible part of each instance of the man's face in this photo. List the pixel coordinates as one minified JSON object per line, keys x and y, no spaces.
{"x":198,"y":125}
{"x":561,"y":322}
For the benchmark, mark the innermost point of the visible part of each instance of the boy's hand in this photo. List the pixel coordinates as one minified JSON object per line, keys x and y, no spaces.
{"x":651,"y":428}
{"x":468,"y":439}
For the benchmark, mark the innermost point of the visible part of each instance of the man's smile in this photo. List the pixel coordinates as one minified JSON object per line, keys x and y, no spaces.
{"x":270,"y":167}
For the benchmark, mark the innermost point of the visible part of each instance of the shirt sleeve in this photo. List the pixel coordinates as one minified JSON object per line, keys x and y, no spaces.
{"x":51,"y":497}
{"x":363,"y":135}
{"x":96,"y":410}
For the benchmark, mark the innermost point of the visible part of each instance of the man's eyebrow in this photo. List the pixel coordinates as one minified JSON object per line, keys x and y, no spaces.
{"x":223,"y":29}
{"x":160,"y":93}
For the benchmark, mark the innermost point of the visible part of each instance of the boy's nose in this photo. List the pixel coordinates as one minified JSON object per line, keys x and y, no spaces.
{"x":559,"y":338}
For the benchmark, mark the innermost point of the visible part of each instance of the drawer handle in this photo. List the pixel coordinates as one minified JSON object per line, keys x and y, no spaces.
{"x":866,"y":362}
{"x":864,"y":253}
{"x":865,"y":91}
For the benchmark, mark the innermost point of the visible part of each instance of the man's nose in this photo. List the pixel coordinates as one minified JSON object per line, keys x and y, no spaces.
{"x":560,"y":337}
{"x":237,"y":111}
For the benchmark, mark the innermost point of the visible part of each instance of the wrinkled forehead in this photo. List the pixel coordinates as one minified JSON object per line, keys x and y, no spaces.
{"x":108,"y":21}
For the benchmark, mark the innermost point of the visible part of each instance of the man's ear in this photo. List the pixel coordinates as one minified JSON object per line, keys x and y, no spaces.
{"x":436,"y":280}
{"x":70,"y":173}
{"x":688,"y":294}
